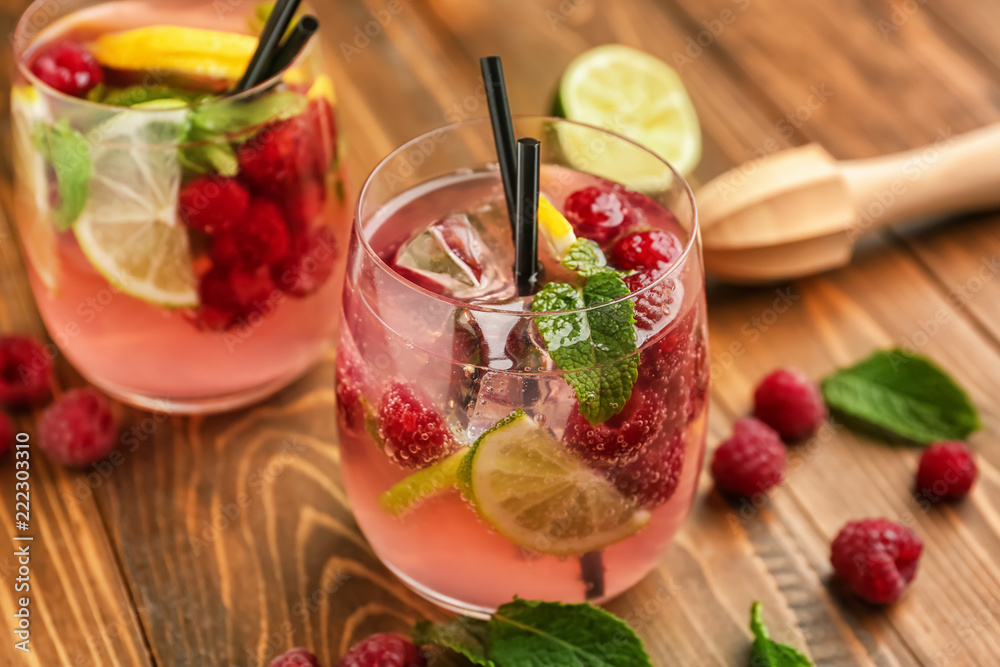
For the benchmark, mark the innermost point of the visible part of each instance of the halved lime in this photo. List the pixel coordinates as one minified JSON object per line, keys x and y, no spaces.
{"x":31,"y":196}
{"x":539,"y":495}
{"x":129,"y":229}
{"x":636,"y":95}
{"x":423,"y":484}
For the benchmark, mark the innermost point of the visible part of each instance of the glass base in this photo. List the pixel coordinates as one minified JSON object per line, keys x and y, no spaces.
{"x":202,"y":405}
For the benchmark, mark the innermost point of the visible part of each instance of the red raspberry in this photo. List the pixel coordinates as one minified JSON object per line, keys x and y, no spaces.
{"x":213,"y":203}
{"x":650,"y":249}
{"x":618,"y":440}
{"x":262,"y":238}
{"x":224,"y":251}
{"x":25,"y":371}
{"x":78,"y":428}
{"x":599,"y":214}
{"x":386,"y":649}
{"x":303,"y":206}
{"x":350,"y":379}
{"x":876,"y":558}
{"x":278,"y":158}
{"x":323,"y":130}
{"x":69,"y":68}
{"x":209,"y":318}
{"x":654,"y":303}
{"x":216,"y":291}
{"x":413,"y":434}
{"x":667,"y":355}
{"x":947,"y":471}
{"x":652,"y":478}
{"x":309,"y":263}
{"x":6,"y":434}
{"x":787,"y":401}
{"x":297,"y":657}
{"x":751,"y":461}
{"x":253,"y":289}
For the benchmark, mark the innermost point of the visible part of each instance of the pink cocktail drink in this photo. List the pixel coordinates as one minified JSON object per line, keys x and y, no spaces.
{"x":546,"y":446}
{"x":185,"y":246}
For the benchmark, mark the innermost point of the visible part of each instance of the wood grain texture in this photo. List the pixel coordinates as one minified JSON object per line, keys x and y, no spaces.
{"x":226,"y":540}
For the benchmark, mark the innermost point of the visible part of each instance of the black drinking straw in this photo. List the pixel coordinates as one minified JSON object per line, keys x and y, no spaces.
{"x":270,"y":37}
{"x":529,"y":158}
{"x":503,"y":130}
{"x":287,"y":52}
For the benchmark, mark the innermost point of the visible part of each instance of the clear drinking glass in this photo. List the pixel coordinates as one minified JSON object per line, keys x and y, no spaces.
{"x":470,"y":465}
{"x":152,"y":308}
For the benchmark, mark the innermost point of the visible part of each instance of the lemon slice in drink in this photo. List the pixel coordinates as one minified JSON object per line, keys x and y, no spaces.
{"x":539,"y":495}
{"x":31,"y":196}
{"x":405,"y":495}
{"x":555,"y":228}
{"x":212,"y":53}
{"x":638,"y":96}
{"x":129,"y":229}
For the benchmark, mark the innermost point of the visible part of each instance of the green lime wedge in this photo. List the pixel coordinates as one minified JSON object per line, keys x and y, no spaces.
{"x":638,"y":96}
{"x":421,"y":485}
{"x":539,"y":495}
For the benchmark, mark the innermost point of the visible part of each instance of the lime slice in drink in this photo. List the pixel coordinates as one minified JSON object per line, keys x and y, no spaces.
{"x":421,"y":485}
{"x":212,"y":53}
{"x":636,"y":95}
{"x":130,"y":230}
{"x":537,"y":494}
{"x":31,"y":196}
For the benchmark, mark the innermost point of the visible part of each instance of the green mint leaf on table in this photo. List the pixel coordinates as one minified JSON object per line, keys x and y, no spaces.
{"x":67,"y":151}
{"x":585,"y":258}
{"x":596,"y":347}
{"x":903,"y":394}
{"x":765,"y":651}
{"x":466,"y":636}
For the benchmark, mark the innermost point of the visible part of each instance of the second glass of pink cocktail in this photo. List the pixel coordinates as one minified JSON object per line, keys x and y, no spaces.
{"x":545,"y":446}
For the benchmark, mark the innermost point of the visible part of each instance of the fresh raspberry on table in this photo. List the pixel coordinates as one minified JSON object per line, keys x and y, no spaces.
{"x":618,"y":440}
{"x":652,"y":478}
{"x":655,"y":302}
{"x":6,"y":434}
{"x":69,"y":68}
{"x":212,"y":204}
{"x":350,"y":379}
{"x":309,"y":263}
{"x":278,"y":158}
{"x":876,"y":558}
{"x":751,"y":461}
{"x":947,"y":471}
{"x":790,"y":403}
{"x":599,"y":214}
{"x":649,"y":249}
{"x":25,"y":371}
{"x":413,"y":433}
{"x":297,"y":657}
{"x":262,"y":238}
{"x":78,"y":428}
{"x":385,"y":649}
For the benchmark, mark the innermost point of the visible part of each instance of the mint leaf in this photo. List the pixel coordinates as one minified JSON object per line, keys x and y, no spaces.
{"x":598,"y":345}
{"x":67,"y":151}
{"x":205,"y":152}
{"x":585,"y":258}
{"x":550,"y":633}
{"x":236,"y":117}
{"x":765,"y":651}
{"x":904,"y":394}
{"x":467,"y":636}
{"x":132,"y":95}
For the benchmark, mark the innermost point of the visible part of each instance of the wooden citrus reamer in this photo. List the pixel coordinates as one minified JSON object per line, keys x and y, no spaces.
{"x":799,"y":211}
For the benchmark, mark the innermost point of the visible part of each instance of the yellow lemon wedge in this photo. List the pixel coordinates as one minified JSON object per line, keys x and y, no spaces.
{"x":212,"y":53}
{"x":555,"y":228}
{"x":322,"y":87}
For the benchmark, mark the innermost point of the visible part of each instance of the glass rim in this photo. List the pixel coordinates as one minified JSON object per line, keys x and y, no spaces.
{"x":678,"y":179}
{"x":20,"y":42}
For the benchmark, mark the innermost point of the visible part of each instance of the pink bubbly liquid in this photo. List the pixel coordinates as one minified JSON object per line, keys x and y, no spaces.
{"x":177,"y":359}
{"x":440,"y":546}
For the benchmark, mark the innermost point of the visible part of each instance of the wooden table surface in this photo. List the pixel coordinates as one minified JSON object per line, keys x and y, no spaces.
{"x":225,"y":540}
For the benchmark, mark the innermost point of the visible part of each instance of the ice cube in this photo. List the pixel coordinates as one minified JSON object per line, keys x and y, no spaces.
{"x":451,"y":257}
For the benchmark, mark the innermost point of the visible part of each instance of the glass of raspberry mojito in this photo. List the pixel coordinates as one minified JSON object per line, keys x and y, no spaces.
{"x":184,"y":245}
{"x":546,"y":446}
